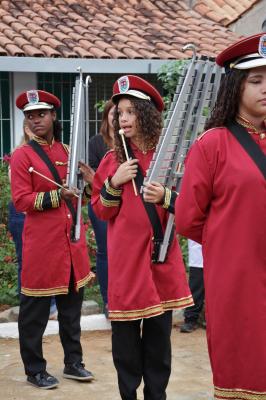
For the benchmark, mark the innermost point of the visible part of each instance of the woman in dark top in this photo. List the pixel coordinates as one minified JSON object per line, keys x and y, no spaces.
{"x":98,"y":146}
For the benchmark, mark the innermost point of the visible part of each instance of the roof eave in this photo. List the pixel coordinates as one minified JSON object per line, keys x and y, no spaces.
{"x":70,"y":65}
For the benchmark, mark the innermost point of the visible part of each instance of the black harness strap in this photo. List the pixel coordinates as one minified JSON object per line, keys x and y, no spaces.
{"x":251,"y":147}
{"x":158,"y":234}
{"x":41,"y":153}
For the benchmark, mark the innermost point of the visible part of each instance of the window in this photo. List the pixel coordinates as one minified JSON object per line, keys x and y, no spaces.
{"x":5,"y":121}
{"x":100,"y":89}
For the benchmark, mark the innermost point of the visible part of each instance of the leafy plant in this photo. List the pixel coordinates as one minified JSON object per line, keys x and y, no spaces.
{"x":169,"y":75}
{"x":5,"y":191}
{"x":100,"y":105}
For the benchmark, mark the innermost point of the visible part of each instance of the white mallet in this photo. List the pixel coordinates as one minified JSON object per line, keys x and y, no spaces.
{"x":121,"y":132}
{"x":31,"y":169}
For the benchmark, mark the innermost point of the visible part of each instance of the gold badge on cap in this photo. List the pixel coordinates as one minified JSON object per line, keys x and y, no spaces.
{"x":262,"y":46}
{"x":123,"y":84}
{"x":33,"y":96}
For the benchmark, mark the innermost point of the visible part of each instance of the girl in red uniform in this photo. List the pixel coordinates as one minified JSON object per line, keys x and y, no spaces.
{"x":139,"y":289}
{"x":222,"y":204}
{"x":53,"y":264}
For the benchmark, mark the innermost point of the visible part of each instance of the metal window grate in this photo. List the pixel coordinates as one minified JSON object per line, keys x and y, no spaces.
{"x":5,"y":119}
{"x":100,"y":89}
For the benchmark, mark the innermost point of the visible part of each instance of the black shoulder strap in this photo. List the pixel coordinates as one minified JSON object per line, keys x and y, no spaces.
{"x":41,"y":153}
{"x":251,"y":147}
{"x":150,"y":208}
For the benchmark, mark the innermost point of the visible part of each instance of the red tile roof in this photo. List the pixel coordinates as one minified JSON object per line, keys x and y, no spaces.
{"x":115,"y":29}
{"x":223,"y":11}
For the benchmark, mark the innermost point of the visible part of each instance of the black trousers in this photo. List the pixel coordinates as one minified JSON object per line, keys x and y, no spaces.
{"x":32,"y":321}
{"x":143,"y":352}
{"x":196,"y":285}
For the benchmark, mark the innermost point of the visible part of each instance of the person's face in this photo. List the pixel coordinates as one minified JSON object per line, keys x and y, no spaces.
{"x":253,"y":97}
{"x":40,"y":122}
{"x":127,"y":118}
{"x":111,"y":117}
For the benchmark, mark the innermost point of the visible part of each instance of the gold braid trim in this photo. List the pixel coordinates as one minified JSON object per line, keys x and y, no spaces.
{"x":66,"y":147}
{"x":180,"y":303}
{"x":151,"y":311}
{"x":238,"y":394}
{"x":44,"y":292}
{"x":58,"y":290}
{"x":38,"y":201}
{"x":54,"y":198}
{"x":136,"y":314}
{"x":85,"y":280}
{"x":109,"y":203}
{"x":167,"y":198}
{"x":88,"y":190}
{"x":111,"y":190}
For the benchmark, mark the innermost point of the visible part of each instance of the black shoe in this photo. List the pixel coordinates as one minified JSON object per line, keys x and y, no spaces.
{"x":42,"y":380}
{"x":189,"y":327}
{"x":78,"y":372}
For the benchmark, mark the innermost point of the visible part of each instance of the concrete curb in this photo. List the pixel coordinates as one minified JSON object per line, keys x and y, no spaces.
{"x":96,"y":322}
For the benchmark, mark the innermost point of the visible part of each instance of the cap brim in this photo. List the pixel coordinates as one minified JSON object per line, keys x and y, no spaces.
{"x":31,"y":107}
{"x":259,"y":62}
{"x":133,"y":93}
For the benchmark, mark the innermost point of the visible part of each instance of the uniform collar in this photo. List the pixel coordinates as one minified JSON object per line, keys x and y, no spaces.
{"x":42,"y":141}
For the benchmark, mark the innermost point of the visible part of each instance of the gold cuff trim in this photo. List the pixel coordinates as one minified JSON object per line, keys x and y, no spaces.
{"x":109,"y":203}
{"x":167,"y":198}
{"x":238,"y":394}
{"x":88,"y":190}
{"x":38,"y":201}
{"x":54,"y":198}
{"x":110,"y":190}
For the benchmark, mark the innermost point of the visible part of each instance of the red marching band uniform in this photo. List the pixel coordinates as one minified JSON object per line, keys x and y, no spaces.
{"x":37,"y":196}
{"x":137,"y":288}
{"x":222,"y":204}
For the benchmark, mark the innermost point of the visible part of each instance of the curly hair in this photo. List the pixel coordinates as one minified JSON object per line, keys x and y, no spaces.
{"x":149,"y":124}
{"x":227,"y":103}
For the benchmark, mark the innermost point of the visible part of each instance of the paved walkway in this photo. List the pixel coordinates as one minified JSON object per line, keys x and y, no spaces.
{"x":190,"y":380}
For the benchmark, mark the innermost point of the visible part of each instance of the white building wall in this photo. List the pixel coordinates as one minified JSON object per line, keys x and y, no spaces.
{"x":250,"y":22}
{"x":21,"y":81}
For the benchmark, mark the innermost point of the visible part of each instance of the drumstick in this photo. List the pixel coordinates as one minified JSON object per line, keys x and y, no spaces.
{"x":121,"y":132}
{"x":31,"y":169}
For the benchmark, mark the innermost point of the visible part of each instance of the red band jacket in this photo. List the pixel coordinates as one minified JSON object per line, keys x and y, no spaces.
{"x":222,"y":204}
{"x":137,"y":288}
{"x":48,"y":253}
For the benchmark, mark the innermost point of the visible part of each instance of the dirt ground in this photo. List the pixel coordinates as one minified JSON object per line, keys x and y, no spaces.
{"x":190,"y":380}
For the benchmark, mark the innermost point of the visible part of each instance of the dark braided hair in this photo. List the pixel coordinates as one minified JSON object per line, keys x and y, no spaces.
{"x":227,"y":103}
{"x":149,"y":124}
